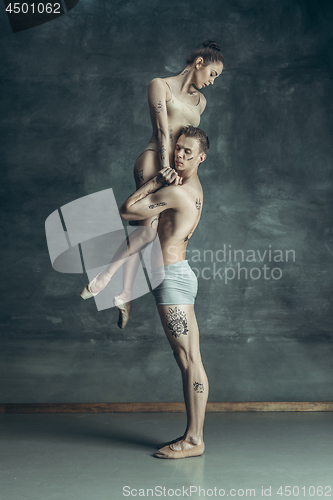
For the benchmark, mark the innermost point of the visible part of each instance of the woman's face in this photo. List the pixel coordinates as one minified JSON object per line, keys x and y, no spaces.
{"x":205,"y":75}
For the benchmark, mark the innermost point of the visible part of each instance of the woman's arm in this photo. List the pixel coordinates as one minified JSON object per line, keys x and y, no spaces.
{"x":157,"y":92}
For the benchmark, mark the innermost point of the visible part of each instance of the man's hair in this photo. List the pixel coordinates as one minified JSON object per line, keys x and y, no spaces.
{"x":197,"y":134}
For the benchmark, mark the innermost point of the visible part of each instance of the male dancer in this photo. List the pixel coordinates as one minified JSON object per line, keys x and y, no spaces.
{"x":176,"y":197}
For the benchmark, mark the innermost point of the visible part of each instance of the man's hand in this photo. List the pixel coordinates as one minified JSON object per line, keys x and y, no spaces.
{"x":169,"y":176}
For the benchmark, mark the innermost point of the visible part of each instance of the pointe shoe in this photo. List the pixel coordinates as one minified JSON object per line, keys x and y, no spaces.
{"x":124,"y":311}
{"x":86,"y":292}
{"x":170,"y":452}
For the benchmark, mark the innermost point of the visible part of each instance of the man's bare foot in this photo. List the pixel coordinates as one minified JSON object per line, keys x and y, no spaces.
{"x":181,"y":449}
{"x":124,"y":304}
{"x":162,"y":445}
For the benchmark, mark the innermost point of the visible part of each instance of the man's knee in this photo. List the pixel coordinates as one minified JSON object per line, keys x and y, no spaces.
{"x":184,"y":357}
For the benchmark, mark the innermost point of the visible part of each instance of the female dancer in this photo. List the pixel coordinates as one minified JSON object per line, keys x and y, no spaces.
{"x":174,"y":102}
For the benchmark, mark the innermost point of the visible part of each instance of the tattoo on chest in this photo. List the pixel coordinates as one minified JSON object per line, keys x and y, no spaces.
{"x":176,"y":321}
{"x":157,"y":204}
{"x":198,"y":387}
{"x":198,"y":204}
{"x":139,"y":175}
{"x":158,"y":107}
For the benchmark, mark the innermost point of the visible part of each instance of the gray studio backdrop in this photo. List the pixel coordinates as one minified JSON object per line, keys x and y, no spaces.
{"x":74,"y":117}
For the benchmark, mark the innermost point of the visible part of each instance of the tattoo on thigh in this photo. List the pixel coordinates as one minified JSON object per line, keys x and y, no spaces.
{"x":139,"y":175}
{"x":152,"y":222}
{"x":198,"y":387}
{"x":176,"y":321}
{"x":157,"y":204}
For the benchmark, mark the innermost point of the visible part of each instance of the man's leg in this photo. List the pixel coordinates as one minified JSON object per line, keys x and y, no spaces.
{"x":182,"y":331}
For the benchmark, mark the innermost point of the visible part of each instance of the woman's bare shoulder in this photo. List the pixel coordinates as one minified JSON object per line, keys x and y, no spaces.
{"x":203,"y":102}
{"x":161,"y":84}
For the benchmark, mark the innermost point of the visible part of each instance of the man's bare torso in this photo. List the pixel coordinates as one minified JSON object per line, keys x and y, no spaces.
{"x":176,"y":225}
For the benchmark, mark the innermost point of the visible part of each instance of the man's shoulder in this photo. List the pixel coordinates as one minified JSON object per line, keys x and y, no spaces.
{"x":183,"y":195}
{"x":176,"y":191}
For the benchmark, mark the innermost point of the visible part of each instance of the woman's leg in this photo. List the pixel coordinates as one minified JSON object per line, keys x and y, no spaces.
{"x":132,"y":264}
{"x":127,"y":250}
{"x":182,"y":331}
{"x":145,"y":168}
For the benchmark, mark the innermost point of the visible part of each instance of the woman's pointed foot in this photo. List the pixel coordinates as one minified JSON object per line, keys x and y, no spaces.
{"x":96,"y":285}
{"x":181,"y":449}
{"x":86,"y":292}
{"x":124,"y":308}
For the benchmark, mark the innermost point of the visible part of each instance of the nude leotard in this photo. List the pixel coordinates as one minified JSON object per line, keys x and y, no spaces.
{"x":180,"y":115}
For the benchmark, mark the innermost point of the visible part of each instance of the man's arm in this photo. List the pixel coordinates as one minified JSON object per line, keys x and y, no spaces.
{"x":153,"y":197}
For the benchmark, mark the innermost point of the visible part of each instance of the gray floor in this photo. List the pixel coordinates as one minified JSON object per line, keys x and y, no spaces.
{"x":94,"y":456}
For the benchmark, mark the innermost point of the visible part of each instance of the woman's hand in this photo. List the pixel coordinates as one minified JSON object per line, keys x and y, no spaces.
{"x":169,"y":176}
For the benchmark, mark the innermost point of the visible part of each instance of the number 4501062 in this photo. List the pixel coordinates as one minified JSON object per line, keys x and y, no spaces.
{"x":40,"y":8}
{"x":311,"y":491}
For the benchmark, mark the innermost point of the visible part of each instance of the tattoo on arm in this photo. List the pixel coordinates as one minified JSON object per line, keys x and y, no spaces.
{"x":162,"y":152}
{"x":198,"y":204}
{"x":176,"y":321}
{"x":158,"y":107}
{"x":198,"y":387}
{"x":157,"y":204}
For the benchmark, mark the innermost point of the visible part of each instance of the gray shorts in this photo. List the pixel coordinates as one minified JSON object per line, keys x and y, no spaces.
{"x":179,"y":286}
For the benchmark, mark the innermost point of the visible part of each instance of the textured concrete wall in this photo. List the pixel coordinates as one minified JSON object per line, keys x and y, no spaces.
{"x":74,"y":117}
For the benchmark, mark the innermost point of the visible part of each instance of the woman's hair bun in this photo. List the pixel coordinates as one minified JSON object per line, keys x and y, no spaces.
{"x":211,"y":45}
{"x":210,"y":52}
